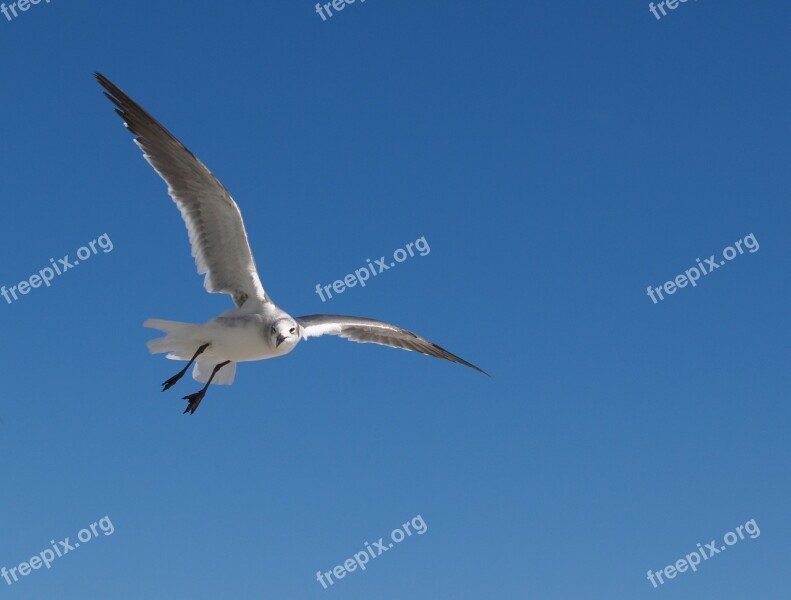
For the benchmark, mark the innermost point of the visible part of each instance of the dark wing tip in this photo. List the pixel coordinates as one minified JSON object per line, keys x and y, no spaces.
{"x":138,"y":121}
{"x":484,"y":372}
{"x":106,"y":83}
{"x":457,"y":359}
{"x":472,"y":366}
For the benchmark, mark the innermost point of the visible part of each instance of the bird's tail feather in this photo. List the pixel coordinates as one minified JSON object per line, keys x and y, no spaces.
{"x":181,"y":341}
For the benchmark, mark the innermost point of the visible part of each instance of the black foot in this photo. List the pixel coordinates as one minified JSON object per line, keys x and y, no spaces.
{"x":173,"y":380}
{"x":194,"y":401}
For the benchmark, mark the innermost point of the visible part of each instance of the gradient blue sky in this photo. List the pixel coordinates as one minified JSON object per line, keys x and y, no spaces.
{"x":558,"y":158}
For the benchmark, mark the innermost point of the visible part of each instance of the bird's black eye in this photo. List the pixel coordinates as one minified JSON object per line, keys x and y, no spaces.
{"x":274,"y":329}
{"x":292,"y":330}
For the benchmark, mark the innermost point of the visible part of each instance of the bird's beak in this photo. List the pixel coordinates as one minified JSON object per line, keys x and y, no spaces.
{"x":280,"y":339}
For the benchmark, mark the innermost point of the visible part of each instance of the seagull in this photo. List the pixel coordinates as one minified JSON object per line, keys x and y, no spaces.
{"x":257,"y":328}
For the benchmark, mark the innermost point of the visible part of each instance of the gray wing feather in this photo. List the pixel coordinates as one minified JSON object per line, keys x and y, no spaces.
{"x":358,"y":329}
{"x":214,"y":223}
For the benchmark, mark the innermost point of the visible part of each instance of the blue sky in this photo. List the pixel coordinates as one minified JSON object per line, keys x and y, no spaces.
{"x":558,"y":158}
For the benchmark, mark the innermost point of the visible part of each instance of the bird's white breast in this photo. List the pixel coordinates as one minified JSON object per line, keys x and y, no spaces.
{"x":241,"y":339}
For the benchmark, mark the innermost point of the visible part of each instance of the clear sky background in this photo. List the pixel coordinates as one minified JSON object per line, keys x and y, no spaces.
{"x":558,"y":157}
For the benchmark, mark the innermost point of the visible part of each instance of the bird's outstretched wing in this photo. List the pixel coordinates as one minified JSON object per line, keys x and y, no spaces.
{"x":214,"y":223}
{"x":358,"y":329}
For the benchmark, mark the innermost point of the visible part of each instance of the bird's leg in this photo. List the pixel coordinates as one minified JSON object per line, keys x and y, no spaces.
{"x":172,"y":381}
{"x":195,"y":399}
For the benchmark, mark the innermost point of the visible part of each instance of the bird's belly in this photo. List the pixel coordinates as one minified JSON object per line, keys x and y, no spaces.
{"x":239,"y":343}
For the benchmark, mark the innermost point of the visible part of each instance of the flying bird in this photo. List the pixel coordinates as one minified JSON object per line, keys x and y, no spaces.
{"x":257,"y":328}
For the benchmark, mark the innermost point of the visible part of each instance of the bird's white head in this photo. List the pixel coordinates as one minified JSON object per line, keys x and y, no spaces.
{"x":284,"y":333}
